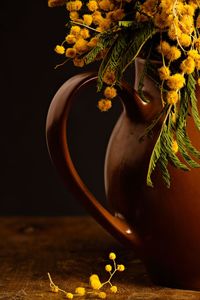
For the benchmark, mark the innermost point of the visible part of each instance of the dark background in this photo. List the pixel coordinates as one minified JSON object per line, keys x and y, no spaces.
{"x":29,"y":182}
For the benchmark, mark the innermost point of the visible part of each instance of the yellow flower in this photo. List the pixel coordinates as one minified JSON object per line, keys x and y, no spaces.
{"x":70,"y":39}
{"x":120,"y":268}
{"x":78,"y":62}
{"x":193,"y":53}
{"x":109,"y":77}
{"x":164,"y":48}
{"x":80,"y":291}
{"x":69,"y":296}
{"x":97,"y":17}
{"x":174,"y":32}
{"x":87,"y":19}
{"x":92,"y":5}
{"x":173,"y":54}
{"x":85,"y":33}
{"x":176,"y":81}
{"x":172,"y":97}
{"x":59,"y":49}
{"x":105,"y":4}
{"x":188,"y":65}
{"x":113,"y":289}
{"x":187,"y":24}
{"x":104,"y":104}
{"x":93,"y":42}
{"x":70,"y":52}
{"x":164,"y":72}
{"x":198,"y":81}
{"x":110,"y":92}
{"x":81,"y":45}
{"x":95,"y":282}
{"x":73,"y":15}
{"x":185,"y":40}
{"x":174,"y":146}
{"x":112,"y":255}
{"x":74,"y":5}
{"x":108,"y":268}
{"x":75,"y":30}
{"x":102,"y":295}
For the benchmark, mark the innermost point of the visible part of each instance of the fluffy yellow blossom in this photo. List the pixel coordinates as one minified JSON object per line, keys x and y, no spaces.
{"x":80,"y":291}
{"x":81,"y":45}
{"x":84,"y":32}
{"x":185,"y":40}
{"x":75,"y":30}
{"x":174,"y":146}
{"x":73,"y":15}
{"x":70,"y":39}
{"x":112,"y":255}
{"x":97,"y":17}
{"x":109,"y":77}
{"x":70,"y":52}
{"x":104,"y":24}
{"x":74,"y":5}
{"x":161,"y":20}
{"x":110,"y":92}
{"x":105,"y":5}
{"x":174,"y":31}
{"x":172,"y":97}
{"x":120,"y":268}
{"x":69,"y":296}
{"x":113,"y":289}
{"x":164,"y":48}
{"x":104,"y":104}
{"x":59,"y":49}
{"x":176,"y":81}
{"x":92,"y":5}
{"x":102,"y":295}
{"x":87,"y":19}
{"x":194,"y":54}
{"x":187,"y":24}
{"x":188,"y":65}
{"x":78,"y":62}
{"x":173,"y":54}
{"x":108,"y":268}
{"x":164,"y":72}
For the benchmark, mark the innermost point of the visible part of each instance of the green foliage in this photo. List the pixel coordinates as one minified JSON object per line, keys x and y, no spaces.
{"x":191,"y":87}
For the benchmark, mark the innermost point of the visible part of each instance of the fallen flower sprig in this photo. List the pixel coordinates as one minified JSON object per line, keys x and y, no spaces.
{"x":94,"y":283}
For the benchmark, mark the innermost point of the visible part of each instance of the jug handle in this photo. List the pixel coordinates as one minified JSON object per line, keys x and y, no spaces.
{"x":56,"y":137}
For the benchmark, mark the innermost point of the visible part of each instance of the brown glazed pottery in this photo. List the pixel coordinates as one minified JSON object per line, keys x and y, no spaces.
{"x":162,"y":225}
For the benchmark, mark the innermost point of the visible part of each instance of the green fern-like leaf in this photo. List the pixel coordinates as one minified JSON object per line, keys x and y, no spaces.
{"x":191,"y":87}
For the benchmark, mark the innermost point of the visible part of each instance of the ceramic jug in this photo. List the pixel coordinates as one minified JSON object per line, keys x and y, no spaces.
{"x":161,"y":224}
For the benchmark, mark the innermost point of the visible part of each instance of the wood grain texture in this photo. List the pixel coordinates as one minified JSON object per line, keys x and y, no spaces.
{"x":71,"y":249}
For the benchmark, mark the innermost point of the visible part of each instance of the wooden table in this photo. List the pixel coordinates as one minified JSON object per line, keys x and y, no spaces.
{"x":71,"y":249}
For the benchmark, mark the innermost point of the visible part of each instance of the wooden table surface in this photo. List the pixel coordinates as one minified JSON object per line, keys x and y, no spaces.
{"x":71,"y":249}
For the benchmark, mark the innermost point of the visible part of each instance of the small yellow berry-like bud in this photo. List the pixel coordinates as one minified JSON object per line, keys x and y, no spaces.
{"x":78,"y":62}
{"x":174,"y":146}
{"x":102,"y":295}
{"x":172,"y":97}
{"x":54,"y":288}
{"x":59,"y":49}
{"x":198,"y":81}
{"x":108,"y":268}
{"x":112,"y":255}
{"x":92,"y":5}
{"x":110,"y":92}
{"x":85,"y":33}
{"x":164,"y":72}
{"x":75,"y":30}
{"x":70,"y":39}
{"x":80,"y":291}
{"x":120,"y":268}
{"x":87,"y":19}
{"x":104,"y":104}
{"x":73,"y":15}
{"x":95,"y":282}
{"x":70,"y":52}
{"x":113,"y":289}
{"x":69,"y":296}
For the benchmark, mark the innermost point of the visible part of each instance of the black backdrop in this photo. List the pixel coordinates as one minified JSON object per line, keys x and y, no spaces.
{"x":29,"y":183}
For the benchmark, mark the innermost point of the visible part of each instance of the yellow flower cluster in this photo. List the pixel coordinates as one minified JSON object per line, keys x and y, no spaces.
{"x":94,"y":283}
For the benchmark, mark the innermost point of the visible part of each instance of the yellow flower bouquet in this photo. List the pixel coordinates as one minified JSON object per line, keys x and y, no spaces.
{"x":116,"y":32}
